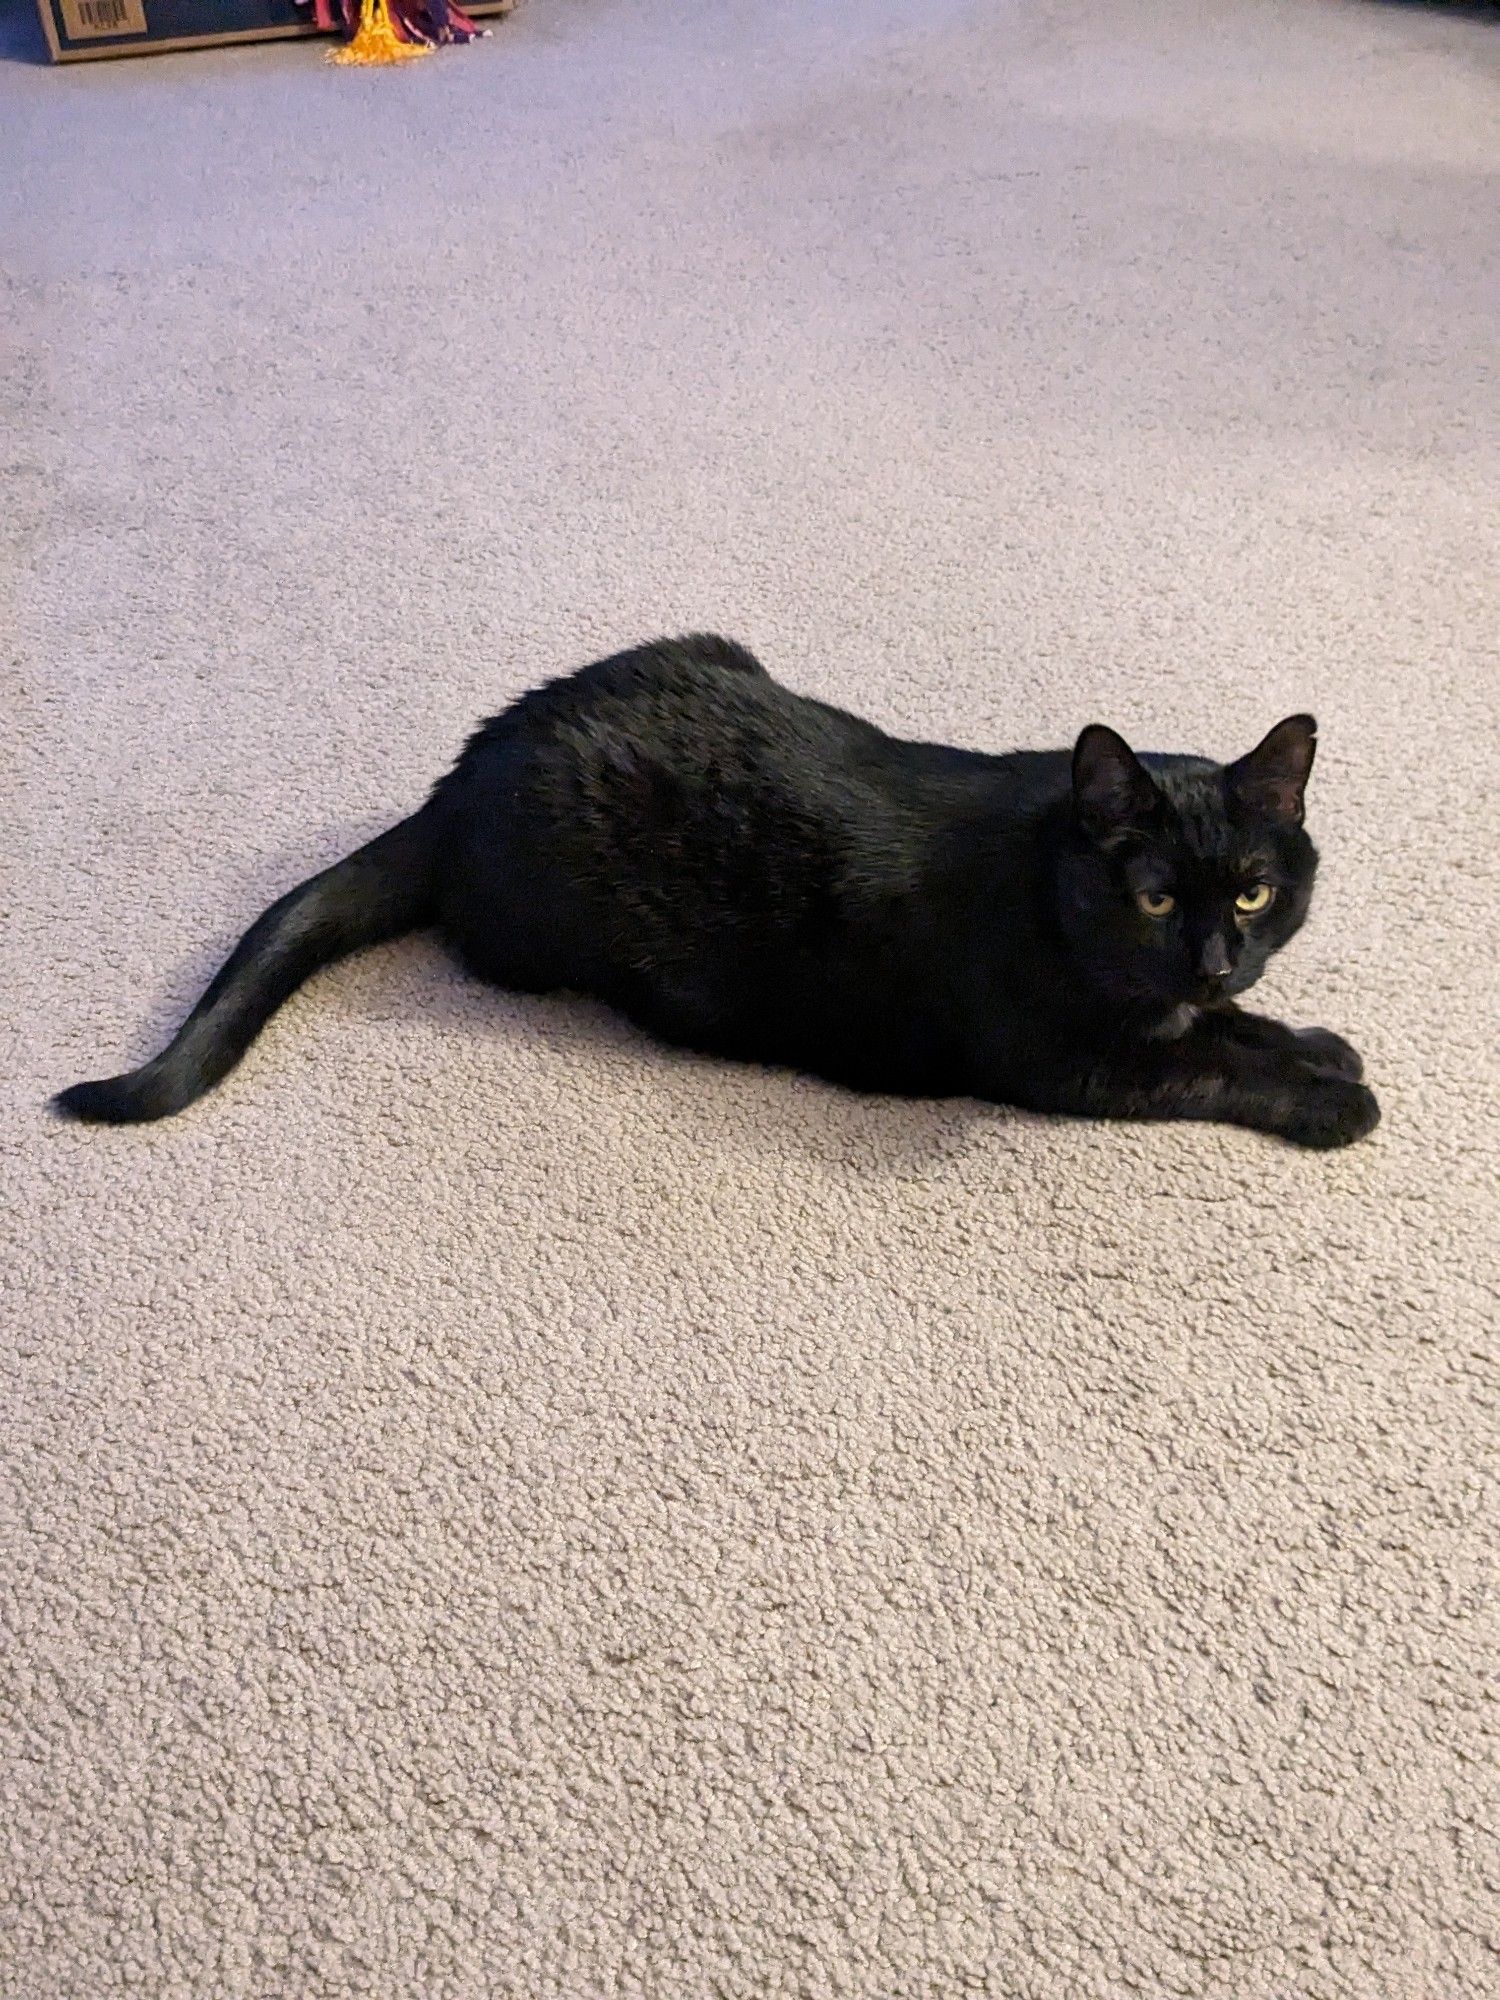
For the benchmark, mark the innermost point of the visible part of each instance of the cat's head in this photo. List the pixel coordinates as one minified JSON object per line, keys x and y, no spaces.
{"x":1180,"y":880}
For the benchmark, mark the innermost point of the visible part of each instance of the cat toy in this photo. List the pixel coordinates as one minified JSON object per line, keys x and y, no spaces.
{"x":381,"y":32}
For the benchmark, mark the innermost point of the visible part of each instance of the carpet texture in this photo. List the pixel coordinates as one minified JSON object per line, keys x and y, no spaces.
{"x":495,"y":1508}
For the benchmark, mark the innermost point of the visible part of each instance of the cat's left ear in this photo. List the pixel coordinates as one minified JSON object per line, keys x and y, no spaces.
{"x":1270,"y":781}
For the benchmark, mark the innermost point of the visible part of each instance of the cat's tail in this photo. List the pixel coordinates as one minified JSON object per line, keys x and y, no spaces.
{"x":383,"y":890}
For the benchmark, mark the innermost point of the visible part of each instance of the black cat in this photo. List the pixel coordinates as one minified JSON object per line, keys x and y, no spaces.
{"x":747,"y":872}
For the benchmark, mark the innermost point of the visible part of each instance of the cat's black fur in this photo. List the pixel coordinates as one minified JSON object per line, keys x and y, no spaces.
{"x":747,"y":872}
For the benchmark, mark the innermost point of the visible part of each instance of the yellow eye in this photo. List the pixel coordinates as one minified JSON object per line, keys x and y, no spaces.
{"x":1156,"y":902}
{"x":1250,"y":902}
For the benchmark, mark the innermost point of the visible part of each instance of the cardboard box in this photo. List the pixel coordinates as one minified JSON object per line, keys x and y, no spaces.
{"x":80,"y":30}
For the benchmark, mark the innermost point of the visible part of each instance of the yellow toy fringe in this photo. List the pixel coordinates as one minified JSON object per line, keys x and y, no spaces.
{"x":375,"y":39}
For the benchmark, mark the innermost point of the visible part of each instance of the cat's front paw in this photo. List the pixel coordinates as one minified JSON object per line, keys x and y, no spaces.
{"x":1320,"y":1048}
{"x":1329,"y":1110}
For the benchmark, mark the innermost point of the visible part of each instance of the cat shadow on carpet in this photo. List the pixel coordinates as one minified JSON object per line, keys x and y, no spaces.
{"x":710,"y":1105}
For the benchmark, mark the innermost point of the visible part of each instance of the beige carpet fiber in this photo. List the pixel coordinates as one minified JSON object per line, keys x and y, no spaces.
{"x":492,"y":1508}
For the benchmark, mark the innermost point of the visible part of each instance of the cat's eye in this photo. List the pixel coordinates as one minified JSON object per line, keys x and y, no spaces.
{"x":1250,"y":902}
{"x":1156,"y":902}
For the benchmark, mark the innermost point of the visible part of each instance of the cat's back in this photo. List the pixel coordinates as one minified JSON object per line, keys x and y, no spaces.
{"x":677,"y":791}
{"x":692,"y":725}
{"x":694,"y":730}
{"x":681,"y":704}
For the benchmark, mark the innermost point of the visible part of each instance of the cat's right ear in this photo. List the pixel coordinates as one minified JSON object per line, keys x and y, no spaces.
{"x":1112,"y":791}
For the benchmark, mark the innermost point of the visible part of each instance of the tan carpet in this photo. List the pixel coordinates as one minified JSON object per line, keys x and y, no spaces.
{"x":493,"y":1508}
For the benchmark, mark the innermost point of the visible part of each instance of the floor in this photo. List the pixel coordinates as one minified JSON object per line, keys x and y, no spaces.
{"x":492,"y":1508}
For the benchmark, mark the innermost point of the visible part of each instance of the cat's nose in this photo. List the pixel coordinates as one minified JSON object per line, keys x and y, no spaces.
{"x":1214,"y":961}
